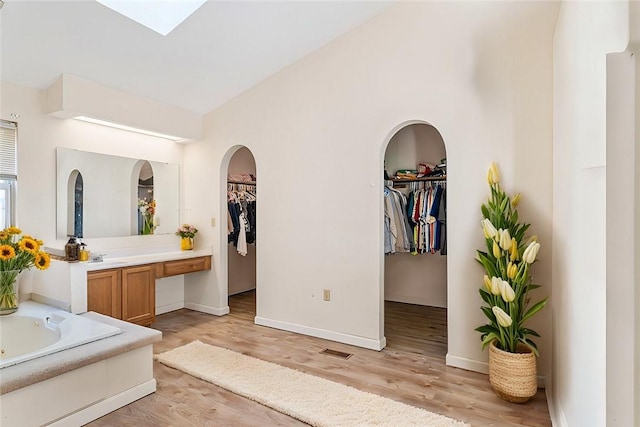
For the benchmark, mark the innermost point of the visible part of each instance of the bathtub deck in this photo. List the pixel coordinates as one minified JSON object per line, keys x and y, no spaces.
{"x":34,"y":371}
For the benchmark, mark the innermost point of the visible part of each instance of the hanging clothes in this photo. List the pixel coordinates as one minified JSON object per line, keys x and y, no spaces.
{"x":241,"y":204}
{"x":416,"y":223}
{"x":397,"y":229}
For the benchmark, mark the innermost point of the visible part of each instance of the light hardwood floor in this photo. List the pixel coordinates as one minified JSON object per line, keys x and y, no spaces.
{"x":410,"y":369}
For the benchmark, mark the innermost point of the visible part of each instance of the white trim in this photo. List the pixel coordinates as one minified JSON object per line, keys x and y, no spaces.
{"x":105,"y":406}
{"x":481,"y":367}
{"x":468,"y":364}
{"x":558,"y":418}
{"x":323,"y":333}
{"x":207,"y":309}
{"x":412,"y":299}
{"x":162,"y":309}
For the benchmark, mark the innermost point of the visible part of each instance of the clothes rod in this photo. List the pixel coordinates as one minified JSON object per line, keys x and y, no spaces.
{"x":423,"y":179}
{"x":242,"y":182}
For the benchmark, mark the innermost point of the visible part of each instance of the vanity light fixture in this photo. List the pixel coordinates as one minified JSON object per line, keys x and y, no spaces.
{"x":129,"y":128}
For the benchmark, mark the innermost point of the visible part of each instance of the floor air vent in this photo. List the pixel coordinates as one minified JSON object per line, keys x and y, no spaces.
{"x":336,"y":353}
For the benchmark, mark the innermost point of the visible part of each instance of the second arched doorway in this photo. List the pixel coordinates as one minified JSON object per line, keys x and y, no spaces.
{"x":415,"y":265}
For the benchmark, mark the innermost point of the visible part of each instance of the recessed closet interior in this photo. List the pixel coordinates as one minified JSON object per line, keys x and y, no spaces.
{"x":415,"y":280}
{"x":241,"y":199}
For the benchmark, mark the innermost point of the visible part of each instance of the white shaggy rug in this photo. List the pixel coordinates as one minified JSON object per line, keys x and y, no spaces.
{"x":308,"y":398}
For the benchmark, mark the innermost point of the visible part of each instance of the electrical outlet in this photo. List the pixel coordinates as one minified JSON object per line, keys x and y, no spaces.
{"x":326,"y":295}
{"x":213,"y":221}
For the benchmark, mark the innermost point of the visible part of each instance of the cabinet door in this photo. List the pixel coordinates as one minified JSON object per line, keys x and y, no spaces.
{"x":138,"y":295}
{"x":104,"y":294}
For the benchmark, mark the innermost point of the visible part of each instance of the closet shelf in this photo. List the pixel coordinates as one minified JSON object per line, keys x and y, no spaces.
{"x":241,"y":182}
{"x":424,"y":178}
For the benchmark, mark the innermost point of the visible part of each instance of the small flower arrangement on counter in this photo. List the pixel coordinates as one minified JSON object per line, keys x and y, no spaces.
{"x":17,"y":253}
{"x":147,"y":209}
{"x":187,"y":233}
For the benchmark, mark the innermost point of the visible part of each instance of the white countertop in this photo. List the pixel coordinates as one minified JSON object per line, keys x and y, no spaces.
{"x":117,"y":261}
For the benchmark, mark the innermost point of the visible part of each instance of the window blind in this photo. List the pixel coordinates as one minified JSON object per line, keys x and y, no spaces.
{"x":8,"y":153}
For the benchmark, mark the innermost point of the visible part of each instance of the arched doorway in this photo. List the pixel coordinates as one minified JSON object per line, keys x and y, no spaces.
{"x":415,"y":262}
{"x":75,"y":204}
{"x":241,"y":240}
{"x":146,"y":199}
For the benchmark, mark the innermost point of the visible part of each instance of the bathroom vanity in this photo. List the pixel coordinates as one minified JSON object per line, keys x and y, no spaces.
{"x":128,"y":293}
{"x":129,"y":284}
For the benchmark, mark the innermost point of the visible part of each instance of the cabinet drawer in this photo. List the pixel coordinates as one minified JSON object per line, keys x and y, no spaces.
{"x":173,"y":268}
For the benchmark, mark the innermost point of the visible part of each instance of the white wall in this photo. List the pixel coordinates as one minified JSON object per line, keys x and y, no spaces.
{"x":620,"y":217}
{"x":480,"y":72}
{"x":636,"y":226}
{"x":38,"y":137}
{"x":415,"y":279}
{"x":585,"y":33}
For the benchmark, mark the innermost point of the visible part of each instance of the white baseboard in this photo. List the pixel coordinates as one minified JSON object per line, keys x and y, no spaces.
{"x":481,"y":367}
{"x":468,"y":364}
{"x":323,"y":333}
{"x":169,"y":307}
{"x":207,"y":309}
{"x":410,"y":299}
{"x":105,"y":406}
{"x":558,"y":418}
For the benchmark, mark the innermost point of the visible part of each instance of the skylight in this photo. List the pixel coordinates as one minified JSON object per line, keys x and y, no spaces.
{"x":162,"y":16}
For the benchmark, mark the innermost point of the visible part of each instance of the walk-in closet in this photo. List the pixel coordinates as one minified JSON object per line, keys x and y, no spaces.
{"x":415,"y":268}
{"x":241,"y":225}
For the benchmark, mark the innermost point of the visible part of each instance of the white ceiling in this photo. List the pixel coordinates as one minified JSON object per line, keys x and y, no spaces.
{"x":221,"y":50}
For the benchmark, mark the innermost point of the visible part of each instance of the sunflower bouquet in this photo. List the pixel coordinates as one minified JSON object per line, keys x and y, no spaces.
{"x":17,"y":253}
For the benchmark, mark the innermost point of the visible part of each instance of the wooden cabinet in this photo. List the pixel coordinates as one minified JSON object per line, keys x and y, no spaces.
{"x":139,"y":294}
{"x":124,"y":293}
{"x":129,"y":293}
{"x":104,"y":293}
{"x":183,"y":266}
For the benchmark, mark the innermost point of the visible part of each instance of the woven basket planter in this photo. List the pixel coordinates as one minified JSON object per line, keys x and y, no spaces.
{"x":513,"y":376}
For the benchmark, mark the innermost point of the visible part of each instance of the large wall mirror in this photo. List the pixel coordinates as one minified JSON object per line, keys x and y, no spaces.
{"x":100,"y":195}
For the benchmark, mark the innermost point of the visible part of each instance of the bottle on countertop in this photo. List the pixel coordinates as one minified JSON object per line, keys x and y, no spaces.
{"x":72,"y":249}
{"x":84,"y":252}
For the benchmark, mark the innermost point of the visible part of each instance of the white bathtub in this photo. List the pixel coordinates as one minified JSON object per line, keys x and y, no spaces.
{"x":36,"y":330}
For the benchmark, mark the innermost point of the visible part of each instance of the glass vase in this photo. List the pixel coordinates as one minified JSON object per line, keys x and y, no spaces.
{"x":186,"y":243}
{"x":147,"y":225}
{"x":9,"y":291}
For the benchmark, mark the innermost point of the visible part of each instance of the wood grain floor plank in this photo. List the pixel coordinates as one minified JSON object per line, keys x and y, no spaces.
{"x":411,"y":370}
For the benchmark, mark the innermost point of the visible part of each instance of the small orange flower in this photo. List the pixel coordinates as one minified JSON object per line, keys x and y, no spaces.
{"x":4,"y":235}
{"x":7,"y":252}
{"x":43,"y":260}
{"x":13,"y":230}
{"x":28,"y":245}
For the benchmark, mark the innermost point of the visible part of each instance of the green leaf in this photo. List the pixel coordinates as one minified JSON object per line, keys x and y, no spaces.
{"x":487,"y":262}
{"x":486,"y":296}
{"x":486,"y":329}
{"x":531,"y":287}
{"x":503,"y":205}
{"x":534,"y":309}
{"x":531,"y":345}
{"x":489,"y":313}
{"x":488,"y":338}
{"x":525,"y":331}
{"x":485,"y":211}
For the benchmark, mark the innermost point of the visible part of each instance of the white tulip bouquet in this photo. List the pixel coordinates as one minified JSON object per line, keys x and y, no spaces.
{"x":507,"y":262}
